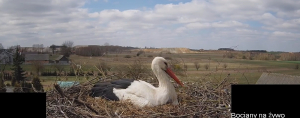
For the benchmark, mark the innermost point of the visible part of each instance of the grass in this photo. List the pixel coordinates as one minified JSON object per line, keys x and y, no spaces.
{"x":29,"y":67}
{"x":268,"y":64}
{"x":289,"y":72}
{"x":295,"y":62}
{"x":53,"y":57}
{"x":48,"y":81}
{"x":244,"y":71}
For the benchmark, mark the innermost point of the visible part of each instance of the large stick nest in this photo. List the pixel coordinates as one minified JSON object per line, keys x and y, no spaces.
{"x":200,"y":99}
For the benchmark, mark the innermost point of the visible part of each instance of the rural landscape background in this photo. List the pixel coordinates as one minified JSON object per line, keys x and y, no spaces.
{"x":67,"y":73}
{"x":47,"y":46}
{"x":207,"y":75}
{"x":84,"y":62}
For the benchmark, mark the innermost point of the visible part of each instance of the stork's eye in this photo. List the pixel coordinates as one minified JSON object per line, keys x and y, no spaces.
{"x":166,"y":64}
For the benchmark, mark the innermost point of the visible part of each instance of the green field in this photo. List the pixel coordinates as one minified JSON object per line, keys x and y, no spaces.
{"x":240,"y":70}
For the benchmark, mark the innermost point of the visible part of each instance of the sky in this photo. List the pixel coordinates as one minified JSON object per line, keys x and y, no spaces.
{"x":272,"y":25}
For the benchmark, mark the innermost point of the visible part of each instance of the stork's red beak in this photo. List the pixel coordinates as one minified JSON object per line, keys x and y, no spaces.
{"x":171,"y":74}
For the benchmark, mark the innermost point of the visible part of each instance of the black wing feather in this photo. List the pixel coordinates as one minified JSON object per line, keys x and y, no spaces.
{"x":105,"y":89}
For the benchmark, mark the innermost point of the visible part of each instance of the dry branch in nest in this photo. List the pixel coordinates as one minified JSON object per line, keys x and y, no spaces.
{"x":201,"y":99}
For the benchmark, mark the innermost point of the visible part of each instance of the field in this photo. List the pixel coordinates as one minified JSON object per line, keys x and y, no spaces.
{"x":240,"y":70}
{"x":205,"y":93}
{"x":244,"y":71}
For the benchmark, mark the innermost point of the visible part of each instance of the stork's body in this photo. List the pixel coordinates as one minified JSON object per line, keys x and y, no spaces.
{"x":139,"y":92}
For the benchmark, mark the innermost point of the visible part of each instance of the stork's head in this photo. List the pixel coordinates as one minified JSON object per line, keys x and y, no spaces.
{"x":163,"y":64}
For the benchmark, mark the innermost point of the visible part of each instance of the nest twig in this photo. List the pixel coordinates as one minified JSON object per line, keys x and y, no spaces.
{"x":197,"y":99}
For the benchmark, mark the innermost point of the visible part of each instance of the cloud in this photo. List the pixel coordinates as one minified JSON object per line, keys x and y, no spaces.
{"x":281,"y":35}
{"x":195,"y":24}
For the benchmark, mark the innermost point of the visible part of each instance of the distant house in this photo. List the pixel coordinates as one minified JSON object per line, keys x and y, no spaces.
{"x":27,"y":49}
{"x":276,"y":78}
{"x":6,"y":56}
{"x":43,"y":58}
{"x":62,"y":60}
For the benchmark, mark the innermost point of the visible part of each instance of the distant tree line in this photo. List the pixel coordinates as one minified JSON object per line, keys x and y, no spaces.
{"x":256,"y":51}
{"x":228,"y":49}
{"x":97,"y":50}
{"x":290,"y":56}
{"x":263,"y":56}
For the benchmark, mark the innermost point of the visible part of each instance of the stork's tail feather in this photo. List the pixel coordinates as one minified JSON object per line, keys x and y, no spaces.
{"x":105,"y":89}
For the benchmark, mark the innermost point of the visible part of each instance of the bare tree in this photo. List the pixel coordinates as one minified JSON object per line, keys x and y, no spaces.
{"x":206,"y":66}
{"x":69,"y":44}
{"x":37,"y":67}
{"x":185,"y":67}
{"x":225,"y":66}
{"x":66,"y":49}
{"x":197,"y":65}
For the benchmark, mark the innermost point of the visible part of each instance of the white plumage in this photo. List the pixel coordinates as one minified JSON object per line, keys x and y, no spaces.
{"x":141,"y":93}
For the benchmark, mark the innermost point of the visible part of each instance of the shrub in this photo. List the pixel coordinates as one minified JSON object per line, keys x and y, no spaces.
{"x":250,"y":58}
{"x":197,"y":65}
{"x":185,"y":67}
{"x":225,"y":65}
{"x":27,"y":88}
{"x":37,"y":84}
{"x":139,"y":53}
{"x":8,"y":84}
{"x":176,"y":67}
{"x":13,"y":81}
{"x":297,"y":66}
{"x":71,"y":72}
{"x":17,"y":87}
{"x":136,"y":70}
{"x":244,"y":57}
{"x":127,"y":56}
{"x":206,"y":66}
{"x":103,"y":67}
{"x":229,"y":55}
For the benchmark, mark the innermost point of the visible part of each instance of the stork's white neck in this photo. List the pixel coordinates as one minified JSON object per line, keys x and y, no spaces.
{"x":165,"y":90}
{"x":162,"y":77}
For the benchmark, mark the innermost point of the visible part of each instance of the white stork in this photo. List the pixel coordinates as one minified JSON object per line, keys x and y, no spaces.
{"x":139,"y":92}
